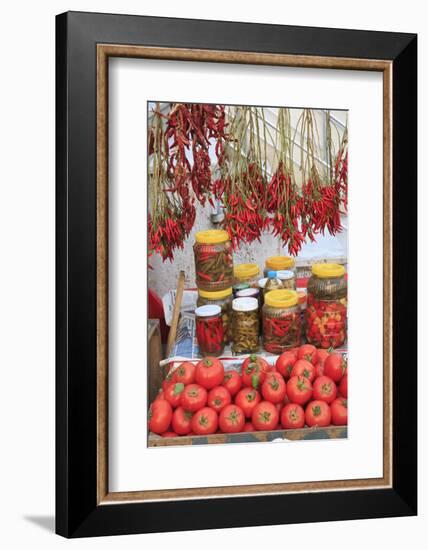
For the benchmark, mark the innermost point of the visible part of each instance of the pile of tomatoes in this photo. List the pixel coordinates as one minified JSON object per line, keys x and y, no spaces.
{"x":305,"y":387}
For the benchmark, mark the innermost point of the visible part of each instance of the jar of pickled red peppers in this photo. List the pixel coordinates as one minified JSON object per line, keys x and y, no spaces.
{"x":281,"y":321}
{"x":326,"y":309}
{"x":222,"y":298}
{"x":209,"y":330}
{"x":213,"y":260}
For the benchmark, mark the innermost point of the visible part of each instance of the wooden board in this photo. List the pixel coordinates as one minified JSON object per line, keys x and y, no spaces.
{"x":155,"y":373}
{"x":332,"y":432}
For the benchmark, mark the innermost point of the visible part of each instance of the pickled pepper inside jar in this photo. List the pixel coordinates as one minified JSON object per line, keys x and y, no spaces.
{"x":245,"y":325}
{"x":281,"y":321}
{"x":222,"y":298}
{"x":326,"y":309}
{"x":209,"y":330}
{"x":213,"y":260}
{"x":287,"y":278}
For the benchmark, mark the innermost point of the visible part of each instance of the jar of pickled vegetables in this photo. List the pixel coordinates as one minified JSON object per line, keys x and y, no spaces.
{"x":213,"y":260}
{"x":247,"y":273}
{"x":281,"y":321}
{"x":222,"y":298}
{"x":287,"y":278}
{"x":272,"y":283}
{"x":326,"y":309}
{"x":279,"y":263}
{"x":253,"y":293}
{"x":209,"y":330}
{"x":245,"y":325}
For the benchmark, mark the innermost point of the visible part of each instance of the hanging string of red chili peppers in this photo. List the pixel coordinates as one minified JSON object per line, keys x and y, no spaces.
{"x":256,"y":184}
{"x":180,"y":170}
{"x":284,"y":200}
{"x":242,"y":184}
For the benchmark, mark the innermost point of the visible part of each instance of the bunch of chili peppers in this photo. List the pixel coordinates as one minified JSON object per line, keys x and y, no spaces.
{"x":178,"y":149}
{"x":253,"y":200}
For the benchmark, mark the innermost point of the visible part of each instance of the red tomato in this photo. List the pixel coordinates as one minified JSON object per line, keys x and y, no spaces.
{"x":160,"y":414}
{"x":322,"y":355}
{"x":295,"y":352}
{"x":265,"y":416}
{"x":218,"y":398}
{"x":343,"y":386}
{"x":292,"y":416}
{"x":173,"y":394}
{"x":335,"y":366}
{"x":303,"y":368}
{"x":231,"y":419}
{"x":284,"y":363}
{"x":184,"y":373}
{"x":247,"y":399}
{"x":205,"y":421}
{"x":232,"y":381}
{"x":253,"y":375}
{"x":339,"y":412}
{"x":308,"y":352}
{"x":209,"y":372}
{"x":169,"y":434}
{"x":166,"y":383}
{"x":274,"y":388}
{"x":181,"y":421}
{"x":324,"y":389}
{"x":160,"y":396}
{"x":194,"y":397}
{"x":318,"y":414}
{"x":248,"y":427}
{"x":253,"y":358}
{"x":299,"y":390}
{"x":319,"y":369}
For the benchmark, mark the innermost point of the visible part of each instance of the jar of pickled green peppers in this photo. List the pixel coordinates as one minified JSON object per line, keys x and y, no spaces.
{"x":213,"y":260}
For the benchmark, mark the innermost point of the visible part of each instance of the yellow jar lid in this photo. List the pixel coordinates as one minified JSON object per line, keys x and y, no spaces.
{"x":324,"y":271}
{"x":215,"y":294}
{"x":281,"y":298}
{"x":243,"y":271}
{"x":212,"y":236}
{"x":278,"y":263}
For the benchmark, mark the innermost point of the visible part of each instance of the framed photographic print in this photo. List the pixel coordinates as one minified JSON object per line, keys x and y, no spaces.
{"x":236,"y":274}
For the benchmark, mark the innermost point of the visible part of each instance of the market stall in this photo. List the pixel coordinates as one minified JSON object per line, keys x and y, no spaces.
{"x":256,"y":296}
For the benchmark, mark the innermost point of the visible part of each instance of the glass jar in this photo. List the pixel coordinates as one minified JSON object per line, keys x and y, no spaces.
{"x":209,"y":330}
{"x":246,"y":273}
{"x":213,"y":260}
{"x":272,"y":283}
{"x":245,"y":325}
{"x":253,"y":293}
{"x":222,"y":298}
{"x":279,"y":263}
{"x":281,"y":321}
{"x":287,"y":278}
{"x":326,"y":309}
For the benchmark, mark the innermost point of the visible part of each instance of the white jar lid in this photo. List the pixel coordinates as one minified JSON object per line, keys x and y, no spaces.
{"x":207,"y":311}
{"x":262,"y":282}
{"x":245,"y":304}
{"x":247,"y":292}
{"x":284,"y":274}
